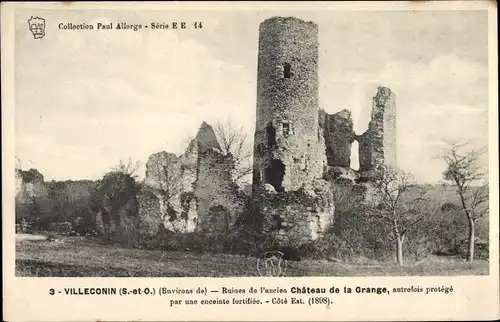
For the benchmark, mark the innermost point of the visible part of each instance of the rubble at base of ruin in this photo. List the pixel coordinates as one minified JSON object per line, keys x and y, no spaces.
{"x":295,"y":217}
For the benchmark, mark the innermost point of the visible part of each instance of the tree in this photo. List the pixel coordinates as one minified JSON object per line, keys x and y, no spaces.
{"x":115,"y":190}
{"x":130,"y":168}
{"x":465,"y":173}
{"x":402,"y":204}
{"x":233,"y":140}
{"x":115,"y":196}
{"x":69,"y":201}
{"x":166,"y":183}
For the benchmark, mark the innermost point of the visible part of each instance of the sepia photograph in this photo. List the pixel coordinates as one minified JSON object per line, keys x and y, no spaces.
{"x":250,"y":161}
{"x":251,"y":143}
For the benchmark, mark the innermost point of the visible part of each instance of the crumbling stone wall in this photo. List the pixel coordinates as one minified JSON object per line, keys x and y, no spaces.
{"x":194,"y":192}
{"x":30,"y":184}
{"x":339,"y":135}
{"x":377,"y":146}
{"x":295,"y":217}
{"x":167,"y":194}
{"x":220,"y":200}
{"x":32,"y":195}
{"x":341,"y":175}
{"x":288,"y":145}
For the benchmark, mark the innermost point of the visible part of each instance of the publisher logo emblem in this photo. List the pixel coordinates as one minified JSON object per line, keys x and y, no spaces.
{"x":271,"y":264}
{"x":37,"y":27}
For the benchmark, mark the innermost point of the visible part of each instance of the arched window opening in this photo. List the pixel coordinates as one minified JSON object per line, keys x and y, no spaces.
{"x":274,"y":174}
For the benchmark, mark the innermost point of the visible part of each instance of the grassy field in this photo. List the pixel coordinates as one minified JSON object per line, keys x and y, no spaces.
{"x":85,"y":258}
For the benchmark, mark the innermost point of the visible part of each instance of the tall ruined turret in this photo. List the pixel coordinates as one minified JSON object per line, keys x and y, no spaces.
{"x":377,"y":146}
{"x":288,"y":148}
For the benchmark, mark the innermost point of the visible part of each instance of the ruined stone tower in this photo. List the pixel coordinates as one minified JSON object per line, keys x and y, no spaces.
{"x":288,"y":147}
{"x":377,"y":146}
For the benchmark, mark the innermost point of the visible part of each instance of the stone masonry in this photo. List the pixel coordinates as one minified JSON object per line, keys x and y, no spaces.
{"x":220,"y":202}
{"x":193,"y":192}
{"x":295,"y":217}
{"x":167,"y":195}
{"x":294,"y":202}
{"x":339,"y":135}
{"x":288,"y":145}
{"x":300,"y":152}
{"x":377,"y":146}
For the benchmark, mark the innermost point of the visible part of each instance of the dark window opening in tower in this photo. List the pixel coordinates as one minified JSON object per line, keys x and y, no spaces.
{"x":274,"y":174}
{"x":287,"y":70}
{"x":286,"y":129}
{"x":277,"y":222}
{"x":271,"y":134}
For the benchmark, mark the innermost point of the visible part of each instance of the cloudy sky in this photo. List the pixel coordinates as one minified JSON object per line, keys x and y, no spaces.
{"x":86,"y":99}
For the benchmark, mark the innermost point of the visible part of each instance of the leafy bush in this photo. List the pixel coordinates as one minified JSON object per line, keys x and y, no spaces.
{"x":115,"y":199}
{"x":116,"y":190}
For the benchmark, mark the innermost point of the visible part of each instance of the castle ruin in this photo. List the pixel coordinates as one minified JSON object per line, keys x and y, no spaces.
{"x":300,"y":151}
{"x":191,"y":193}
{"x":289,"y":146}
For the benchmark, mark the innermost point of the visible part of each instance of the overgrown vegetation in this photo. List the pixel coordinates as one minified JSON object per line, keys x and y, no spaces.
{"x":442,"y":230}
{"x":60,"y":206}
{"x":72,"y":207}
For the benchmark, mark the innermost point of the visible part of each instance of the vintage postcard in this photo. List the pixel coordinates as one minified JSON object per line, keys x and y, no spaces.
{"x":219,"y":161}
